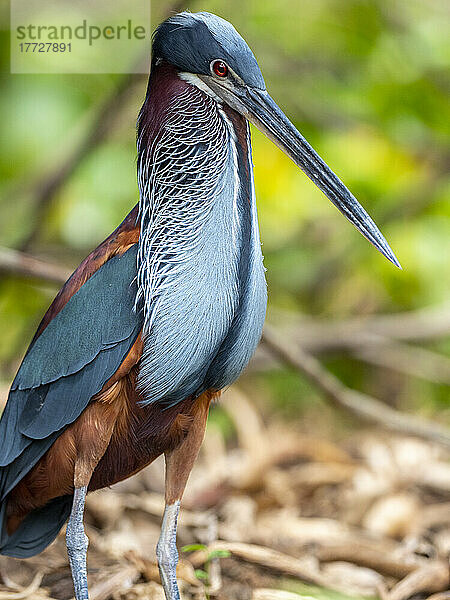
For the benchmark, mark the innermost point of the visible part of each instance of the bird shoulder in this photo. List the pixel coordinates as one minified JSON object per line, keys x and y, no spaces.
{"x":120,"y":240}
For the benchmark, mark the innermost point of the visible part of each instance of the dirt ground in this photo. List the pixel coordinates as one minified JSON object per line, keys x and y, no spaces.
{"x":274,"y":514}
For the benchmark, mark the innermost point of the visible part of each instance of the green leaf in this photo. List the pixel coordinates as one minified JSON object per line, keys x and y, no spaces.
{"x":193,"y":547}
{"x":218,"y":554}
{"x":200,"y":574}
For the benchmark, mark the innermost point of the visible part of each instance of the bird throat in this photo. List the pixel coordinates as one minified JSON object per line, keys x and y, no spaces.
{"x":196,"y":235}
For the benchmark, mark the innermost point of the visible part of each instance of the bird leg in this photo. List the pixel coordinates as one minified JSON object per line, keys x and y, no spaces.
{"x":167,"y":553}
{"x":179,"y":463}
{"x":91,"y":440}
{"x":77,"y":544}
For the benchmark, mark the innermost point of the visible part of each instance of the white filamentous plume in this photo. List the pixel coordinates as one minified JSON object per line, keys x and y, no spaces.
{"x":189,"y":244}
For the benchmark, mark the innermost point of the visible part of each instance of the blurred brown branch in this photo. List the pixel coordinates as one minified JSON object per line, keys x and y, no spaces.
{"x":415,"y":325}
{"x":19,"y":263}
{"x":380,"y":340}
{"x":359,"y":404}
{"x":410,"y":360}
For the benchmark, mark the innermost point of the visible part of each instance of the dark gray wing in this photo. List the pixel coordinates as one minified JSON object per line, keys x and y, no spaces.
{"x":80,"y":349}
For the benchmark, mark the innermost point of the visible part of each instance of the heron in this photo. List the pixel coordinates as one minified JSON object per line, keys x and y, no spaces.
{"x":165,"y":313}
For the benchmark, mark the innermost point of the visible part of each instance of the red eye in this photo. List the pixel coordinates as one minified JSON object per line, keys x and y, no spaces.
{"x":220,"y":68}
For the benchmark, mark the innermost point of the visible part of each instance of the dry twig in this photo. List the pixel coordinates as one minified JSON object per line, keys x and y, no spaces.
{"x":114,"y":583}
{"x":377,"y":556}
{"x":412,"y":326}
{"x":359,"y":404}
{"x":21,"y":593}
{"x":270,"y":594}
{"x":378,"y":340}
{"x":430,"y":578}
{"x":305,"y":568}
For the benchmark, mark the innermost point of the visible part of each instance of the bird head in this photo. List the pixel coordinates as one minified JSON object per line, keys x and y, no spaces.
{"x":208,"y":52}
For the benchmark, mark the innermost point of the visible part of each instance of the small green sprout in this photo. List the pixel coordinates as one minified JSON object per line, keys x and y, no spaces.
{"x":201,"y":574}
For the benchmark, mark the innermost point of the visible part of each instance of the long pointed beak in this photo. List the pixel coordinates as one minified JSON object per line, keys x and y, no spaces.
{"x":259,"y":108}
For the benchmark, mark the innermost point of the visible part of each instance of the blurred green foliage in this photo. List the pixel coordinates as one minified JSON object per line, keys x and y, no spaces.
{"x":366,"y":83}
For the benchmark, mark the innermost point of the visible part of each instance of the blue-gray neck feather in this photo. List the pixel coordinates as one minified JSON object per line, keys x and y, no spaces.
{"x":200,"y":274}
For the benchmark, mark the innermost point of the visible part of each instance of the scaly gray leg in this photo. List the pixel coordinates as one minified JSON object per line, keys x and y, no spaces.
{"x":77,"y":544}
{"x":179,"y":463}
{"x":166,"y":551}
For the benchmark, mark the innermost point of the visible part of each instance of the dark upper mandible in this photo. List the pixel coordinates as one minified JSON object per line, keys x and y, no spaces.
{"x":190,"y":41}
